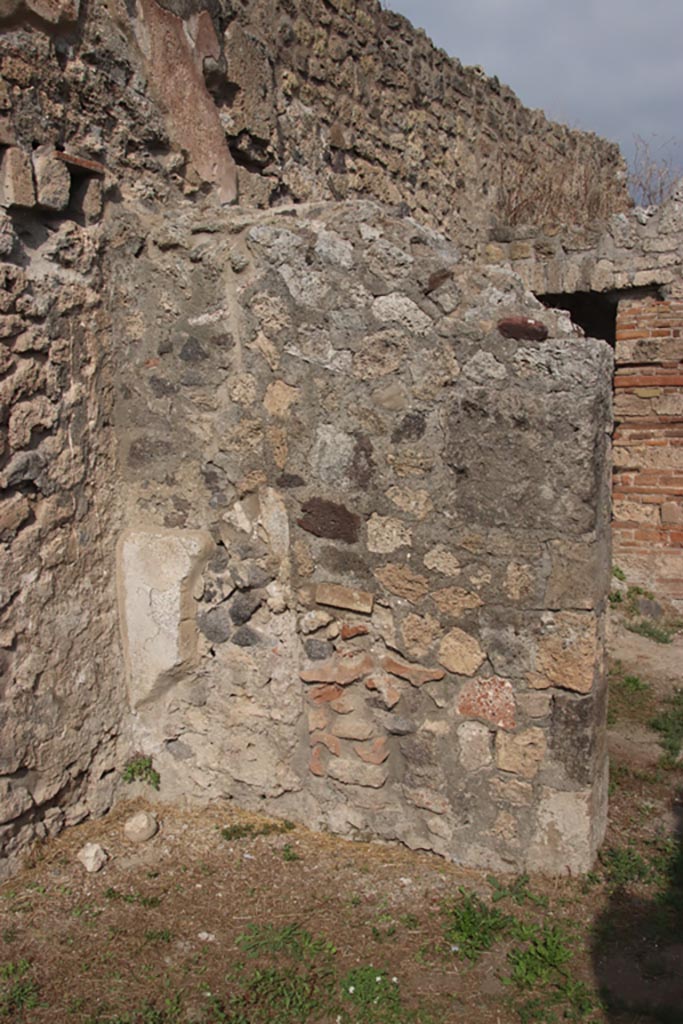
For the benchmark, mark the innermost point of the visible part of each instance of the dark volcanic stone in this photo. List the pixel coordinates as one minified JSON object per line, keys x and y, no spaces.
{"x":411,"y":428}
{"x":245,"y":636}
{"x":215,"y":624}
{"x":244,"y":605}
{"x":192,"y":351}
{"x":327,"y":519}
{"x":318,"y":650}
{"x":287,"y":480}
{"x":521,"y":328}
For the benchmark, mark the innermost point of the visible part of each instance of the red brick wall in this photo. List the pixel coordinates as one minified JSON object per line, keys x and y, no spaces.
{"x":648,"y":445}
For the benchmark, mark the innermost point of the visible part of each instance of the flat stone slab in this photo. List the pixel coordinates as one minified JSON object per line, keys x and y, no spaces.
{"x":157,"y":573}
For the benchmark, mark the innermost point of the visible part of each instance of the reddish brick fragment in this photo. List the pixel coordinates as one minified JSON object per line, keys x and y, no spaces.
{"x":415,"y":674}
{"x":523,"y":329}
{"x":325,"y":694}
{"x":327,"y":740}
{"x":316,"y":764}
{"x":349,"y":631}
{"x":81,"y":163}
{"x":373,"y":752}
{"x":339,"y":669}
{"x":492,"y":699}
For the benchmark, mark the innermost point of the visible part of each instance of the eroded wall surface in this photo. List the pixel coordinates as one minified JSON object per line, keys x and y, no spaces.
{"x":637,"y":259}
{"x":386,"y":522}
{"x":333,"y":100}
{"x":359,"y":533}
{"x":62,"y":684}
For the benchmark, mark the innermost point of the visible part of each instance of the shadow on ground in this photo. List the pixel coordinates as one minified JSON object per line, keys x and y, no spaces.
{"x":638,"y":941}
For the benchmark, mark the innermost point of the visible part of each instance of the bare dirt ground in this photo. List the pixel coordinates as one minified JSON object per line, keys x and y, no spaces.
{"x":224,"y":917}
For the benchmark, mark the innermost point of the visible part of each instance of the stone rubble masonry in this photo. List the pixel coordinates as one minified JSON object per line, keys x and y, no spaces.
{"x":352,"y":522}
{"x":638,"y":259}
{"x":347,"y":100}
{"x":358,"y":698}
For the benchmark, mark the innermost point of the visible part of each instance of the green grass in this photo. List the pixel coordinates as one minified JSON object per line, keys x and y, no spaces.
{"x":545,"y":954}
{"x":132,"y":897}
{"x":518,"y":891}
{"x":669,"y":724}
{"x":643,"y":627}
{"x":292,"y":940}
{"x":141,"y":769}
{"x":247,"y":830}
{"x":624,"y":865}
{"x":18,"y":990}
{"x":471,"y":927}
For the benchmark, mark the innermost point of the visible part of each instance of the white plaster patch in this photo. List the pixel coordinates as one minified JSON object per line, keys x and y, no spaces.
{"x":157,"y":574}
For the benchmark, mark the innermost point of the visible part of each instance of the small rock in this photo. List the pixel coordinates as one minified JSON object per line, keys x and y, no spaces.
{"x":215,"y":624}
{"x":206,"y":937}
{"x":277,"y":598}
{"x":318,"y":650}
{"x":314,"y":620}
{"x":248,"y":574}
{"x":93,"y":857}
{"x":245,"y":636}
{"x":522,"y":328}
{"x":141,"y":827}
{"x":244,"y":606}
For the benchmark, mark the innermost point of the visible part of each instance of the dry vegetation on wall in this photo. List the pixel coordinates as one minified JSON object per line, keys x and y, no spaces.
{"x":653,"y":170}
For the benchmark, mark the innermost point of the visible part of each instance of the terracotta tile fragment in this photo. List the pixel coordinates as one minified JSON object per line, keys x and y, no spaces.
{"x":350,"y":598}
{"x":325,"y":694}
{"x":350,"y":630}
{"x":316,"y":764}
{"x":374,"y":752}
{"x":327,"y":740}
{"x":416,"y":675}
{"x":338,"y":669}
{"x":385,"y":686}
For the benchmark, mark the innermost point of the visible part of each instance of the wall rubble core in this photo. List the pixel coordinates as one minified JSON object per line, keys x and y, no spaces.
{"x":361,"y":535}
{"x":636,"y":262}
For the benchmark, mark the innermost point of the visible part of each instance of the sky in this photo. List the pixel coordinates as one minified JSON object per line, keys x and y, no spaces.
{"x":614,"y":67}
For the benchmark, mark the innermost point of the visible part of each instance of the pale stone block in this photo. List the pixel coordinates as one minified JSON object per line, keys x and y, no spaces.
{"x":460,"y":653}
{"x":53,"y":181}
{"x":475,"y":746}
{"x":16,"y":179}
{"x":521,"y":754}
{"x":564,"y":840}
{"x":93,"y":857}
{"x":141,"y":827}
{"x":386,"y":534}
{"x":157,"y":574}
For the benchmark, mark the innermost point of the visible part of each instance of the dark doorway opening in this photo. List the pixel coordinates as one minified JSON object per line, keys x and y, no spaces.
{"x":595,"y":312}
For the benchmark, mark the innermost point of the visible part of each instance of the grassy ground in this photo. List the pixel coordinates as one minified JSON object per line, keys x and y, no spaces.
{"x":224,"y":917}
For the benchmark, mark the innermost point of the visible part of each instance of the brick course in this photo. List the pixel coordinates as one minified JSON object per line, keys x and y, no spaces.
{"x":648,"y":445}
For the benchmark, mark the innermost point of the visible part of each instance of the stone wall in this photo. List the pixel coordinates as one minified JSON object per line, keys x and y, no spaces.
{"x":61,"y":693}
{"x":387,"y":521}
{"x":360,"y":533}
{"x":636,"y":262}
{"x":339,"y":99}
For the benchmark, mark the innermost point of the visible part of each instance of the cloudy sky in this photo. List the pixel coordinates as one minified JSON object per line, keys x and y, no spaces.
{"x":610,"y":66}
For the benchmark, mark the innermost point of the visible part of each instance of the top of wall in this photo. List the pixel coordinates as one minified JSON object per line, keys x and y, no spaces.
{"x":291,"y":101}
{"x":341,"y":98}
